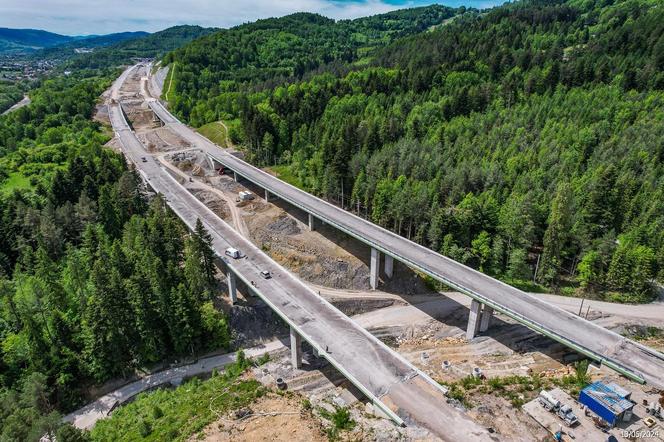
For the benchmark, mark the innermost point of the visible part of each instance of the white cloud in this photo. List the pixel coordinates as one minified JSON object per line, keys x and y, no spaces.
{"x":100,"y":17}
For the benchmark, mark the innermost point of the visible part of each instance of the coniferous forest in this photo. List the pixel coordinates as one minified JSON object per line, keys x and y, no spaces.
{"x":525,"y":139}
{"x":95,"y":281}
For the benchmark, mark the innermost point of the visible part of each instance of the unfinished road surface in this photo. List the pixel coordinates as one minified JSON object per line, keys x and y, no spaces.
{"x":379,"y":372}
{"x":617,"y":352}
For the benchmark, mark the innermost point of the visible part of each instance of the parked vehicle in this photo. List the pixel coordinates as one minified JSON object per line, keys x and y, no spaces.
{"x":145,"y":160}
{"x":233,"y":253}
{"x":548,"y":401}
{"x":553,"y":405}
{"x":567,"y":415}
{"x":265,"y":274}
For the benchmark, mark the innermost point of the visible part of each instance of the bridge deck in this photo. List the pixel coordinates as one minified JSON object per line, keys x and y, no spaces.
{"x":379,"y":372}
{"x":617,"y":352}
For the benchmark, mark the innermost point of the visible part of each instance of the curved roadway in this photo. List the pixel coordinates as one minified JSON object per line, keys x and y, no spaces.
{"x":402,"y":391}
{"x":621,"y":354}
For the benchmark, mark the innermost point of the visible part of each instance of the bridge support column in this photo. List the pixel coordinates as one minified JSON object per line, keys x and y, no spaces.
{"x":312,"y":227}
{"x":389,"y":266}
{"x":267,"y":196}
{"x":473,"y":320}
{"x":235,"y":176}
{"x":232,"y":286}
{"x":485,"y":322}
{"x":295,"y":348}
{"x":211,"y":163}
{"x":375,"y":265}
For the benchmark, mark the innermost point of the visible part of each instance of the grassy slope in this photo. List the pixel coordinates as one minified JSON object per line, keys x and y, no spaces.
{"x":178,"y":414}
{"x":215,"y":132}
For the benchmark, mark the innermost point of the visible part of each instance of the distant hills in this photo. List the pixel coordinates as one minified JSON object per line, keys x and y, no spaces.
{"x":24,"y":40}
{"x":149,"y":46}
{"x":20,"y":41}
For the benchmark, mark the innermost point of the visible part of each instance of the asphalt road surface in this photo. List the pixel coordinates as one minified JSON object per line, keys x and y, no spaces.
{"x":381,"y":373}
{"x":597,"y":342}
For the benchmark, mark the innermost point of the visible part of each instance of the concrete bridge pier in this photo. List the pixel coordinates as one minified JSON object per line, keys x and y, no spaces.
{"x":267,"y":196}
{"x":295,"y":348}
{"x":375,"y":265}
{"x":312,"y":226}
{"x":473,"y":320}
{"x":389,"y":266}
{"x":235,"y":176}
{"x":485,"y":321}
{"x":210,"y":162}
{"x":232,"y":286}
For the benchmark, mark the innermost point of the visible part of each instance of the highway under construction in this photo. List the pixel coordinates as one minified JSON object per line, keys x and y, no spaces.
{"x":627,"y":357}
{"x":404,"y":393}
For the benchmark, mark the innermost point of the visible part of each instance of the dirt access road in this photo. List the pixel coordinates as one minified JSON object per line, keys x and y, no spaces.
{"x":380,"y":373}
{"x":621,"y":354}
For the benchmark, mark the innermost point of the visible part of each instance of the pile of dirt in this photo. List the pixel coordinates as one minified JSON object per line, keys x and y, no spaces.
{"x":190,"y":161}
{"x":155,"y":142}
{"x":272,"y":417}
{"x":284,"y":225}
{"x":140,"y":117}
{"x":214,"y":202}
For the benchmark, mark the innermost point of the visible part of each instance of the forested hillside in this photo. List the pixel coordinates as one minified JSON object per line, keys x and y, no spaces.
{"x":526,"y":138}
{"x":95,"y":281}
{"x":26,"y":40}
{"x":212,"y":72}
{"x":149,"y":46}
{"x":67,"y":50}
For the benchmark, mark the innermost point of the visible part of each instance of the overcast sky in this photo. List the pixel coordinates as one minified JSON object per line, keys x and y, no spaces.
{"x":83,"y":17}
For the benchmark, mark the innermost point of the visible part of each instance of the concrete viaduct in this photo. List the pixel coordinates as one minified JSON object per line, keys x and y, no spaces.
{"x":489,"y":295}
{"x":398,"y":389}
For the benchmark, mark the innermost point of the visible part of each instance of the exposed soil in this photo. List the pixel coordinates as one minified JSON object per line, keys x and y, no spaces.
{"x":510,"y":423}
{"x":161,"y":139}
{"x":330,"y":259}
{"x":216,"y":204}
{"x":273,"y":417}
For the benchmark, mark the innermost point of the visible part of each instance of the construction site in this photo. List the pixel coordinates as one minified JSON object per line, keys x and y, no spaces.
{"x":495,"y":378}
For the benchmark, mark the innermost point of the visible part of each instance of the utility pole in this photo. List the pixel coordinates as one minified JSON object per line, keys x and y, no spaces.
{"x":581,"y":306}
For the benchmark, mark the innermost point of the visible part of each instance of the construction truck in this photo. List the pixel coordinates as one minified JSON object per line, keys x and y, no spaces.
{"x":553,"y":405}
{"x":566,"y":413}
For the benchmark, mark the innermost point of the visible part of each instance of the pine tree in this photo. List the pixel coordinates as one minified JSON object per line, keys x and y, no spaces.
{"x":557,"y":235}
{"x":203,"y":246}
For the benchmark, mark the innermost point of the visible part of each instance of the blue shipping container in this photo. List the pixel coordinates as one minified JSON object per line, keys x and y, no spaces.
{"x":604,"y":402}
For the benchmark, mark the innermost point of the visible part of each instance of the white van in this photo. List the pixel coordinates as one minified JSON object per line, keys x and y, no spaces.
{"x":233,"y":253}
